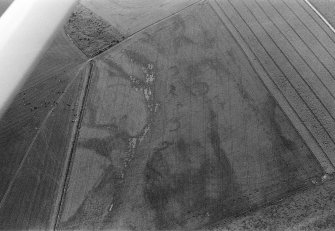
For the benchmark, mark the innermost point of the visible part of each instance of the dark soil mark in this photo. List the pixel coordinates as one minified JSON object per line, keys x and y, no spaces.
{"x":172,"y":89}
{"x":104,"y":147}
{"x":91,"y":212}
{"x":327,"y":223}
{"x":140,"y":60}
{"x":183,"y":182}
{"x":199,"y":88}
{"x":285,"y":151}
{"x":174,"y":188}
{"x":231,"y":200}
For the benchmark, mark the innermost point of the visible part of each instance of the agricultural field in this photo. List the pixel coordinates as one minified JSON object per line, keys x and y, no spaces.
{"x":176,"y":115}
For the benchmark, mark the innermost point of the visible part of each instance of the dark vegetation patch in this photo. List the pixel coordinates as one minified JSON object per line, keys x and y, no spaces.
{"x":90,"y":33}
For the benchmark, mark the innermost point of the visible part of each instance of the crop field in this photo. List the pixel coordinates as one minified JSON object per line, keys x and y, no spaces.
{"x":176,"y":115}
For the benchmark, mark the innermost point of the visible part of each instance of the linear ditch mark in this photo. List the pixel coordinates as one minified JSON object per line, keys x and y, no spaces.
{"x":325,"y":127}
{"x":294,"y":82}
{"x":306,"y":108}
{"x":313,"y":144}
{"x":73,"y":142}
{"x":302,"y":78}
